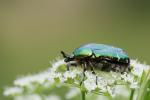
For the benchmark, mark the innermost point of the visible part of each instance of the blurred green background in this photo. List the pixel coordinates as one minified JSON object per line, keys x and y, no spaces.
{"x":33,"y":32}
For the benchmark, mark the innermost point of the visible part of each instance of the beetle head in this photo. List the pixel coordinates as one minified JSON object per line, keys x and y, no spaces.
{"x":67,"y":57}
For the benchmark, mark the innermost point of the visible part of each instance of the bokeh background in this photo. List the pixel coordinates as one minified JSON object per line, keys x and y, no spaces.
{"x":33,"y":32}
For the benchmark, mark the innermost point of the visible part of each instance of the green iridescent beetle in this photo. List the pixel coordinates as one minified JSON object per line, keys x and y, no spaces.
{"x":99,"y":56}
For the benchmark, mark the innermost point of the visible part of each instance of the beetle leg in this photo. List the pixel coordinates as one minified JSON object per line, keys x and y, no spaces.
{"x":68,"y":66}
{"x":71,"y":63}
{"x":84,"y":69}
{"x":93,"y":72}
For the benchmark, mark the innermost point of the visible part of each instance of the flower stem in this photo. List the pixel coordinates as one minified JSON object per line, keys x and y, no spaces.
{"x":132,"y":94}
{"x":144,"y":87}
{"x":83,"y":94}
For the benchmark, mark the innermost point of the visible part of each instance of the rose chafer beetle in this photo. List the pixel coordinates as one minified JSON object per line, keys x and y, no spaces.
{"x":98,"y":56}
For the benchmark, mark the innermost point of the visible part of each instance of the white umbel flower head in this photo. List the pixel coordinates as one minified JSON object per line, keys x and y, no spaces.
{"x":138,"y":68}
{"x":47,"y":80}
{"x":13,"y":91}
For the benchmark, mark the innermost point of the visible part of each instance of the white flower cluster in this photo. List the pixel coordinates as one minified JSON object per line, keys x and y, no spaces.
{"x":130,"y":79}
{"x":105,"y":82}
{"x":138,"y":68}
{"x":137,"y":71}
{"x":105,"y":85}
{"x":27,"y":80}
{"x":13,"y":91}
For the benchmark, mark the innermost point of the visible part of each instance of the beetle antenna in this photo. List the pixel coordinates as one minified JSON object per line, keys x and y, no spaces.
{"x":64,"y":54}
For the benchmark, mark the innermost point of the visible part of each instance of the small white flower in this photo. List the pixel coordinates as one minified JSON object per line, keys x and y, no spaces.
{"x":24,"y":81}
{"x":90,"y":82}
{"x":90,"y":85}
{"x":115,"y":76}
{"x":134,"y":85}
{"x":102,"y":88}
{"x":110,"y":81}
{"x":53,"y":74}
{"x":28,"y":97}
{"x":130,"y":79}
{"x":111,"y":91}
{"x":71,"y":74}
{"x":89,"y":75}
{"x":57,"y":64}
{"x":127,"y":77}
{"x":13,"y":90}
{"x":102,"y":84}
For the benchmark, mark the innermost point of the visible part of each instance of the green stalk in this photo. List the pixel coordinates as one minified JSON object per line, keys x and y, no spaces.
{"x":83,"y":94}
{"x":132,"y":94}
